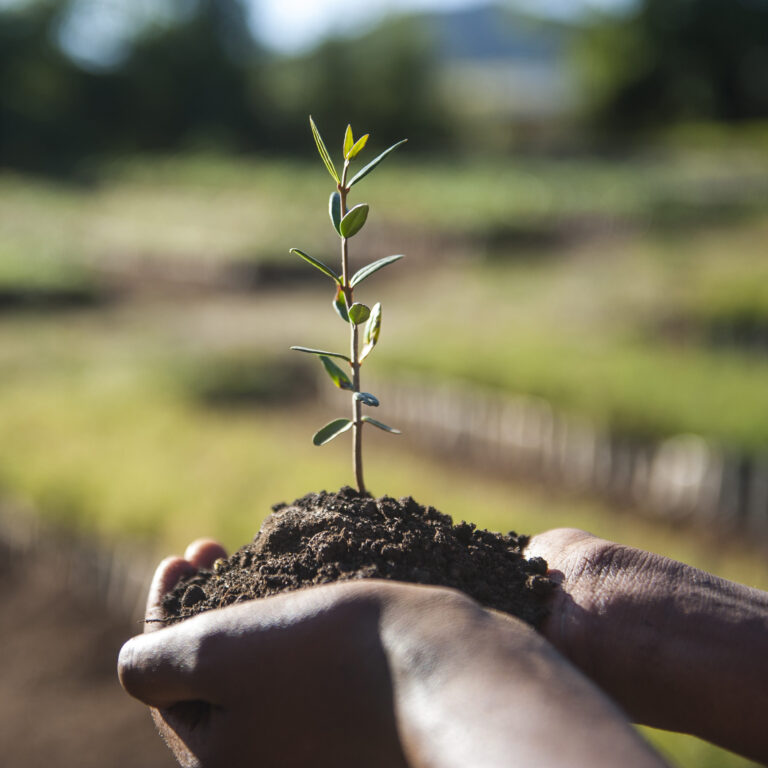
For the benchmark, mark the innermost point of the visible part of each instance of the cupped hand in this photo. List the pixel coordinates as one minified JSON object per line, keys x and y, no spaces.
{"x":366,"y":673}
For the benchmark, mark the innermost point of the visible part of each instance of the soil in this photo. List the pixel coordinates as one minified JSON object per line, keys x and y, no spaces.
{"x":327,"y":537}
{"x":61,"y":704}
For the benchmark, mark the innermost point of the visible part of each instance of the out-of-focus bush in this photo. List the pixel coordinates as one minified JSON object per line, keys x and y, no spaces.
{"x":386,"y":79}
{"x":677,"y":61}
{"x":196,"y":78}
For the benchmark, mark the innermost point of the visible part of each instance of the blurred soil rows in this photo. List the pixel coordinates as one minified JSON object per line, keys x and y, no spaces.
{"x":682,"y":478}
{"x":64,"y":618}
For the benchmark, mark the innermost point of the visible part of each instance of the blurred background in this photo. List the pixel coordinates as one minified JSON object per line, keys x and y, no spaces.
{"x":578,"y":336}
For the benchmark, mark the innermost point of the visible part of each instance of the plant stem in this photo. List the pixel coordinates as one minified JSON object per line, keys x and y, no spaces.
{"x":357,"y":421}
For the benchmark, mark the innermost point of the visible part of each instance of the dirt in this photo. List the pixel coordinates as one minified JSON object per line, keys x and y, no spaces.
{"x":61,"y":704}
{"x":327,"y":537}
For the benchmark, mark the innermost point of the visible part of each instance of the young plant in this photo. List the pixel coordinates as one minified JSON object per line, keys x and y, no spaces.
{"x":347,"y":222}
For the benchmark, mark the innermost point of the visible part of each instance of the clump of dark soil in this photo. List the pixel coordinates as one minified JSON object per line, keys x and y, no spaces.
{"x":327,"y":537}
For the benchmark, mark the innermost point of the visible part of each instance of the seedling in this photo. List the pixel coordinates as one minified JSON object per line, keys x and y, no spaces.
{"x":347,"y":222}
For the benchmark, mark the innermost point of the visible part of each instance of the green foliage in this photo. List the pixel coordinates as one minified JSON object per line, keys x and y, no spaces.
{"x":378,"y":424}
{"x":361,"y":274}
{"x":372,"y":330}
{"x":334,"y":211}
{"x":320,"y":352}
{"x":358,"y":147}
{"x":331,"y":430}
{"x":347,"y":223}
{"x":359,"y":313}
{"x":353,"y":220}
{"x":324,"y":268}
{"x":340,"y":305}
{"x":339,"y":378}
{"x":349,"y":142}
{"x":368,"y":168}
{"x":321,"y":148}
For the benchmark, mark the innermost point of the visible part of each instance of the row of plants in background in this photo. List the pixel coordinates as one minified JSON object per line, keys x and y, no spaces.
{"x":364,"y":322}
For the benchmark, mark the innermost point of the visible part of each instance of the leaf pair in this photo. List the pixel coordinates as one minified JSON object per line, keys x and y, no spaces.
{"x":357,"y":278}
{"x":339,"y":426}
{"x":356,"y":314}
{"x":351,"y":147}
{"x":354,"y":219}
{"x":353,"y":150}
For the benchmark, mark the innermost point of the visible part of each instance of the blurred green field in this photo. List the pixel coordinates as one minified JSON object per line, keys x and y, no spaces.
{"x":583,"y":320}
{"x":579,"y":281}
{"x":593,"y":331}
{"x":219,"y":207}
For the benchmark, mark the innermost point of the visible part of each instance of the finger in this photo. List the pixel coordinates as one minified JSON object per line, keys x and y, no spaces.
{"x":203,"y":553}
{"x":167,"y":575}
{"x":162,"y":668}
{"x":554,"y":545}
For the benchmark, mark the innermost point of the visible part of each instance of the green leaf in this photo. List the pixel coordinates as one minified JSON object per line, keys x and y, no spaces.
{"x":361,"y":174}
{"x":348,"y":141}
{"x":340,"y":305}
{"x":359,"y":313}
{"x":323,"y":151}
{"x":372,"y":330}
{"x":361,"y":274}
{"x":331,"y":430}
{"x":311,"y":351}
{"x":340,"y":379}
{"x":324,"y":268}
{"x":366,"y":398}
{"x":382,"y":426}
{"x":334,"y":210}
{"x":353,"y":222}
{"x":358,"y":148}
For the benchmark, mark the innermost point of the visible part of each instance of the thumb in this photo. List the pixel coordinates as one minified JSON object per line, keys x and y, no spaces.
{"x":163,"y":668}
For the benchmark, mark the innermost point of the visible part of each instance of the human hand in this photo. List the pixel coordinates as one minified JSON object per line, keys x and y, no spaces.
{"x":366,"y":673}
{"x":676,"y":647}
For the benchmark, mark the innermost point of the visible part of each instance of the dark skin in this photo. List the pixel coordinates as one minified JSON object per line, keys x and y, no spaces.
{"x":677,"y":648}
{"x":421,"y":676}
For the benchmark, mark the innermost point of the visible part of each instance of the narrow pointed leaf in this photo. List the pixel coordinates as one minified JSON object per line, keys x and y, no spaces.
{"x":331,"y":430}
{"x":366,"y":398}
{"x":365,"y":351}
{"x":382,"y":426}
{"x":311,"y":351}
{"x":334,"y":210}
{"x":359,"y":313}
{"x":340,"y":305}
{"x":339,"y":378}
{"x":372,"y":330}
{"x":353,"y":222}
{"x":324,"y":268}
{"x":368,"y":270}
{"x":358,"y":147}
{"x":349,"y":141}
{"x":373,"y":327}
{"x":361,"y":174}
{"x":323,"y":151}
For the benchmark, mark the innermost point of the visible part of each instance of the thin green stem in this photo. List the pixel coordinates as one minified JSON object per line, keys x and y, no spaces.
{"x":357,"y":421}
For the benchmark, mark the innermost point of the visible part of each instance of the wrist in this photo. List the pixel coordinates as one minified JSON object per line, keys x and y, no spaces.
{"x":678,"y":648}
